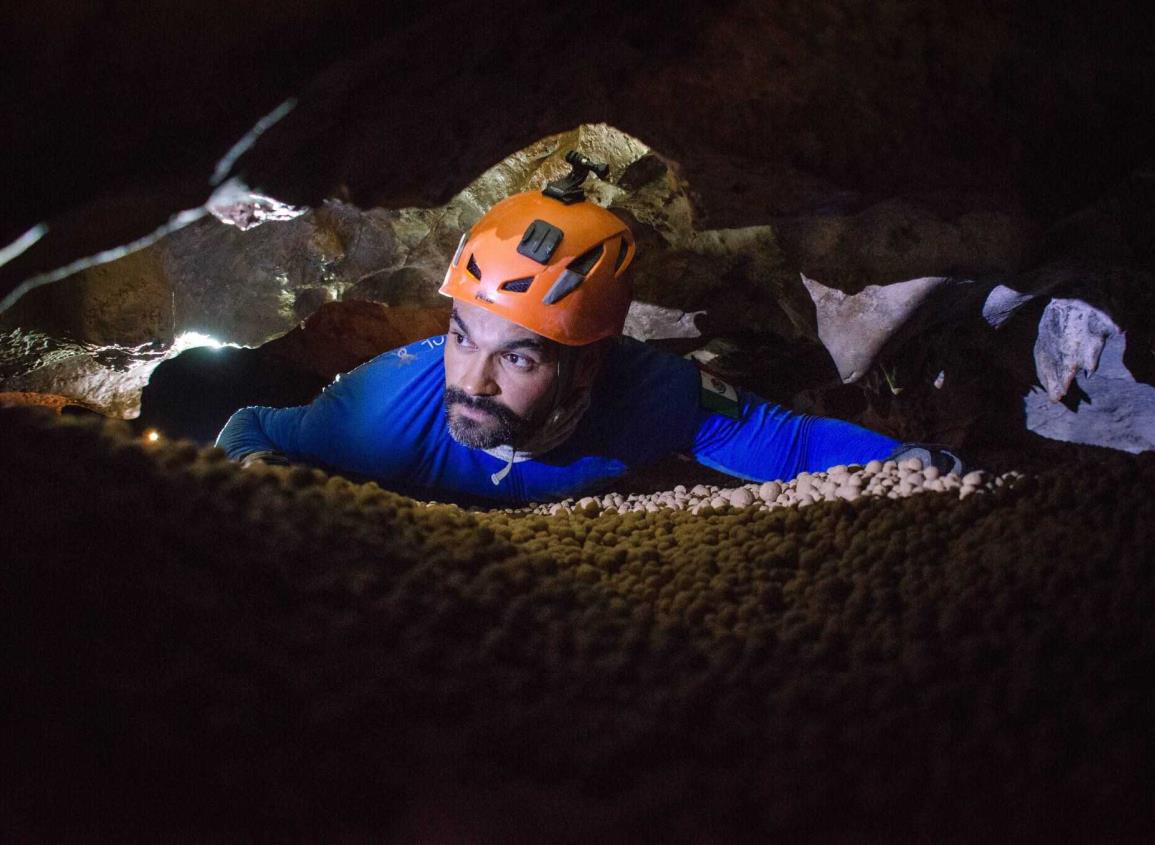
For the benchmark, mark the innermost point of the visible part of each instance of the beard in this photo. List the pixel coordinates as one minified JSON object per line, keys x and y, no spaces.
{"x":504,"y":428}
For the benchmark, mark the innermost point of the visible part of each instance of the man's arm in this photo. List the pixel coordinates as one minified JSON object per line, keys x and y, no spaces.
{"x":759,"y":441}
{"x":657,"y":403}
{"x":366,"y":422}
{"x":261,"y":433}
{"x":328,"y":431}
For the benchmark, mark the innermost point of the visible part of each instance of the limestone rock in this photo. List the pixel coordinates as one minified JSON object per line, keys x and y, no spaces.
{"x":898,"y":239}
{"x":408,"y":286}
{"x":646,"y":321}
{"x":1112,"y":409}
{"x":854,"y":327}
{"x":55,"y":403}
{"x":1071,"y":337}
{"x":246,"y":284}
{"x":234,"y":204}
{"x":84,"y":379}
{"x":127,"y":301}
{"x":343,"y":335}
{"x":642,"y":172}
{"x":1002,"y":302}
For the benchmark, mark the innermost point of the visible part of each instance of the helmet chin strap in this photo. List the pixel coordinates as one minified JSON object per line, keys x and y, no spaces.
{"x":567,"y":357}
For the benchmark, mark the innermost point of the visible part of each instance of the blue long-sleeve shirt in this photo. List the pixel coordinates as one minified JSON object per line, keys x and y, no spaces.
{"x":385,"y":420}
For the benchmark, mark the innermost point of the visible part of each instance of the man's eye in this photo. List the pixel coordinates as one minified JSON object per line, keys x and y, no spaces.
{"x":519,"y":361}
{"x":460,"y":339}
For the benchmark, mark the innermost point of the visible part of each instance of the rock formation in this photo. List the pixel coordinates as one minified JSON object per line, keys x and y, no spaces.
{"x":204,"y":651}
{"x":934,"y":221}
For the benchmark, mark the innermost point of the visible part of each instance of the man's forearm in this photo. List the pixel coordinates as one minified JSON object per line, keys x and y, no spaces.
{"x":830,"y":442}
{"x":768,"y":442}
{"x":245,"y":435}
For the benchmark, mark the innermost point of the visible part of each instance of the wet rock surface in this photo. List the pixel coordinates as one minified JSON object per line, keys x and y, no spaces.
{"x":324,"y":657}
{"x":107,"y":379}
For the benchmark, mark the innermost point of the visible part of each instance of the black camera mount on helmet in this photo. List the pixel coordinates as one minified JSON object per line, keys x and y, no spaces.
{"x":568,"y":189}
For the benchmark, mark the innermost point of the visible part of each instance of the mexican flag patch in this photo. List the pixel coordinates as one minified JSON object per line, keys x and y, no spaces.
{"x":719,"y":396}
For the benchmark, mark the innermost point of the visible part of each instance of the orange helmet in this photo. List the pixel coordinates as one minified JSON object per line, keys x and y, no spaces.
{"x":551,"y":265}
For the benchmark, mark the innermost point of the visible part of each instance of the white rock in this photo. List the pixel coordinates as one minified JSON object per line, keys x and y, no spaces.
{"x":770,"y":491}
{"x":741,"y":498}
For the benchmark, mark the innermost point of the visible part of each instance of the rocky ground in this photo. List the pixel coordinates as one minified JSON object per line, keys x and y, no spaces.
{"x":202,"y":653}
{"x":878,"y":478}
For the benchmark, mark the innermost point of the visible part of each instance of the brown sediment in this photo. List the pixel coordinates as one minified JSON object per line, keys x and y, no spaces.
{"x":21,"y":399}
{"x":204,"y":652}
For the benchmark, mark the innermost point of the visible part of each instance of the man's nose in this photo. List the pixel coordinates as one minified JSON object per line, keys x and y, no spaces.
{"x":477,"y":378}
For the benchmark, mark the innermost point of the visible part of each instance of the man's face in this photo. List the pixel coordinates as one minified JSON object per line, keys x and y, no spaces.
{"x":498,"y":376}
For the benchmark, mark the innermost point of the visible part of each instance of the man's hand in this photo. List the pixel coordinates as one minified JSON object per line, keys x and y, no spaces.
{"x":930,"y":455}
{"x":268,"y":458}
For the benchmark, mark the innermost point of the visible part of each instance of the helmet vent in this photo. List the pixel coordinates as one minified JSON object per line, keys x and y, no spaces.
{"x":473,"y":269}
{"x":518,"y":285}
{"x":623,"y":248}
{"x":582,"y":264}
{"x":573,"y":275}
{"x":460,"y":247}
{"x":566,"y":284}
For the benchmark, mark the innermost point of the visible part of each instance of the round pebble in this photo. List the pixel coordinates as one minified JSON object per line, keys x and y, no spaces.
{"x":844,"y":482}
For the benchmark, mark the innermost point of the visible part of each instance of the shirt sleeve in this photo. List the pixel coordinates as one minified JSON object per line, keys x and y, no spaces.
{"x":765,"y":442}
{"x":317,"y":433}
{"x":367,"y":421}
{"x":248,"y":431}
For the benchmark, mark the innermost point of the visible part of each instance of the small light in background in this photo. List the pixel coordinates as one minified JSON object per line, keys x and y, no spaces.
{"x":191,"y":340}
{"x":152,"y":435}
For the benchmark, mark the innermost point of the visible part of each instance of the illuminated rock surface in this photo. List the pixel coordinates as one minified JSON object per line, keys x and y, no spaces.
{"x":202,"y":652}
{"x":860,"y":146}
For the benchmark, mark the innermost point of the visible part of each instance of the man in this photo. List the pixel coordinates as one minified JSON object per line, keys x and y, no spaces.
{"x":533,"y":394}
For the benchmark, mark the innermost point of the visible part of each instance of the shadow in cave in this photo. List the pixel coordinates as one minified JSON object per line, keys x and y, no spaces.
{"x":193,"y":395}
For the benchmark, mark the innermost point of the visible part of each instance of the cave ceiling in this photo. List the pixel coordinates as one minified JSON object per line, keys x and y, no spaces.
{"x":122,"y":115}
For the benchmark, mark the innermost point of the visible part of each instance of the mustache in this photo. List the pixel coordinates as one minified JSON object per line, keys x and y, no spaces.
{"x":457,"y":396}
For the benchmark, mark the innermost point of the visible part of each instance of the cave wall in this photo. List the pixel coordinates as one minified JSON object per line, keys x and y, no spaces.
{"x":886,"y":167}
